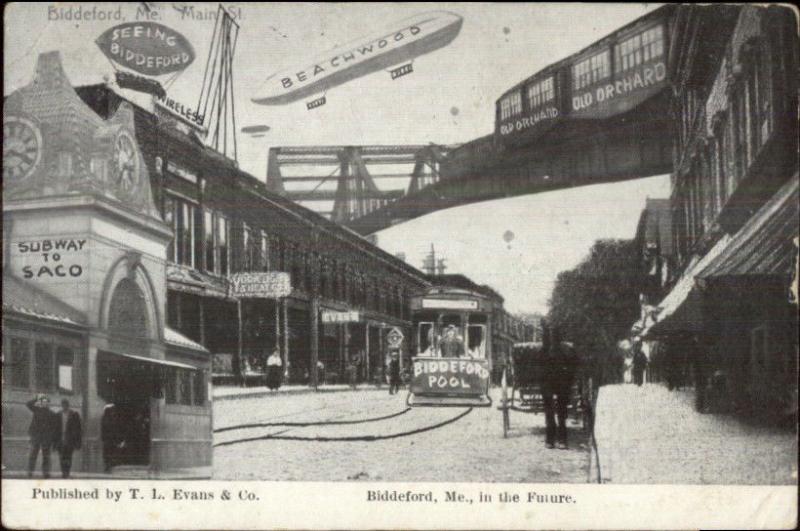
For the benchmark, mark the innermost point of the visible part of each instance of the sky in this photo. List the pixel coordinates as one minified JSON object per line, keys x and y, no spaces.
{"x":448,"y":99}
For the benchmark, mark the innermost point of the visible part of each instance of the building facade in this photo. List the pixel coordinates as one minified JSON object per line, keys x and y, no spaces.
{"x":84,"y":285}
{"x":734,"y":206}
{"x":346,"y":295}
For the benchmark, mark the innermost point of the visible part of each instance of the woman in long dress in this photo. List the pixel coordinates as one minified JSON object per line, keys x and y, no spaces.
{"x":274,"y":370}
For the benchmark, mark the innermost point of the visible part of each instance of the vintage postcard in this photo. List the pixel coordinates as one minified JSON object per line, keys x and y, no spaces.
{"x":399,"y":266}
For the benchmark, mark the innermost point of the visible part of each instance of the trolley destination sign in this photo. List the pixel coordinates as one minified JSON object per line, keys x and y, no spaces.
{"x":450,"y":376}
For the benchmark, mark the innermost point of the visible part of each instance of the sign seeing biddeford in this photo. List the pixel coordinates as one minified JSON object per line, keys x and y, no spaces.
{"x":450,"y":376}
{"x":267,"y":285}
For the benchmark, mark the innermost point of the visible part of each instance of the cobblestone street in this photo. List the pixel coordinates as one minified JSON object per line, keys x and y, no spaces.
{"x":470,"y":449}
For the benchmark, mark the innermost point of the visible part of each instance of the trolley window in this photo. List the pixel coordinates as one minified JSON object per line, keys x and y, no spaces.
{"x":591,"y":70}
{"x":476,"y":341}
{"x":540,"y":93}
{"x":640,"y":48}
{"x":425,"y":339}
{"x":511,"y":105}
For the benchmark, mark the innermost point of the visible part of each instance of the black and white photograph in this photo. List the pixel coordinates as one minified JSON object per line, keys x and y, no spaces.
{"x":439,"y":256}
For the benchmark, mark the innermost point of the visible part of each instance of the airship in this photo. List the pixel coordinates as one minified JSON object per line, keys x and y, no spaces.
{"x":405,"y":40}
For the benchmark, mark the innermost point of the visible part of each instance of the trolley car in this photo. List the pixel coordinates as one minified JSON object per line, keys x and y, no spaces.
{"x":453,"y":344}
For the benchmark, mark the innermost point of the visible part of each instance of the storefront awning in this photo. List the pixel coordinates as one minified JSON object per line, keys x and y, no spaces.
{"x":679,"y":310}
{"x":173,"y":337}
{"x":153,"y":361}
{"x":764,"y":246}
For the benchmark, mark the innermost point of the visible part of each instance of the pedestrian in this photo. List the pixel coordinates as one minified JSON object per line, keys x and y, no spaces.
{"x":352,"y":372}
{"x":394,"y":374}
{"x":41,"y":432}
{"x":110,"y":436}
{"x":70,"y":435}
{"x":451,"y":346}
{"x":639,"y":362}
{"x":274,"y":370}
{"x":558,"y":373}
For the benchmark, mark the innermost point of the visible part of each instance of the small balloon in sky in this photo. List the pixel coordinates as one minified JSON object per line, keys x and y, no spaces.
{"x":506,"y":30}
{"x":508,"y":236}
{"x":454,"y":111}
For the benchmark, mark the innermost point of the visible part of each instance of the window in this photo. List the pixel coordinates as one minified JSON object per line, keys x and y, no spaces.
{"x":425,"y":339}
{"x":44,"y":369}
{"x":221,"y":252}
{"x":182,"y":216}
{"x":185,"y":385}
{"x":208,"y":240}
{"x":199,"y":388}
{"x":640,"y":48}
{"x":65,"y":359}
{"x":591,"y":70}
{"x":264,"y":251}
{"x":540,"y":93}
{"x":17,"y":370}
{"x":511,"y":105}
{"x":170,"y":385}
{"x":127,"y":313}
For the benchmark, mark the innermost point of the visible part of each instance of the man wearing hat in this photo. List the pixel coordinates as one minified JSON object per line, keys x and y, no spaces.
{"x":68,"y":427}
{"x":41,"y":433}
{"x":451,"y":346}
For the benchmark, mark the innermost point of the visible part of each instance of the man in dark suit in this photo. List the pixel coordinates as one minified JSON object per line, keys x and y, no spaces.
{"x":560,"y":364}
{"x":68,"y":428}
{"x":41,"y":433}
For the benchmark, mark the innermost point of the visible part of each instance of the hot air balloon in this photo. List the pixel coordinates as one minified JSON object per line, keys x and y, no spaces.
{"x":405,"y":40}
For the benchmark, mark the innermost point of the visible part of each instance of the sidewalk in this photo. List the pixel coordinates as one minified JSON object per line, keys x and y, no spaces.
{"x":230,"y":391}
{"x":649,"y":434}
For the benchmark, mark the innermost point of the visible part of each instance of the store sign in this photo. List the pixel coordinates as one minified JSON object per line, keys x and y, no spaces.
{"x":395,"y":338}
{"x":329,"y":316}
{"x":448,"y":304}
{"x":450,"y":376}
{"x":267,"y":285}
{"x":175,"y":109}
{"x":182,"y":172}
{"x":50,"y":258}
{"x":148,"y":48}
{"x":629,"y":90}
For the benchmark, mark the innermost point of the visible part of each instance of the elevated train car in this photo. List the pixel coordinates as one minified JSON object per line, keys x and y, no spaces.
{"x":599,"y":115}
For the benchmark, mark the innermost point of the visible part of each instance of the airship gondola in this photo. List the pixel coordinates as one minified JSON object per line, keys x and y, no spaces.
{"x":410,"y":38}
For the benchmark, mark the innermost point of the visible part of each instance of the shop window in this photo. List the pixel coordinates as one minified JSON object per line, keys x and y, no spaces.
{"x":591,"y":70}
{"x":16,"y":364}
{"x":170,"y":385}
{"x":65,"y":362}
{"x":540,"y":93}
{"x":640,"y":48}
{"x":199,"y":388}
{"x":127,"y":314}
{"x":185,"y":386}
{"x":43,"y":370}
{"x":758,"y":348}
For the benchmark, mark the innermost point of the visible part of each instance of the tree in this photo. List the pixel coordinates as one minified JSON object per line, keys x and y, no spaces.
{"x":595,"y":303}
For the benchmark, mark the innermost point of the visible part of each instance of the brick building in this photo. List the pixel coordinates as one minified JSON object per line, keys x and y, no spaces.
{"x":728,"y":314}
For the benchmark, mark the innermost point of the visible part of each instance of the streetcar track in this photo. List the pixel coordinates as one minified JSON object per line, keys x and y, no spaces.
{"x":366,"y":438}
{"x":329,"y":422}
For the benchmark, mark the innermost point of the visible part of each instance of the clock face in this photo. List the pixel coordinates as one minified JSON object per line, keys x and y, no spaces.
{"x":125,"y":163}
{"x":22,"y":148}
